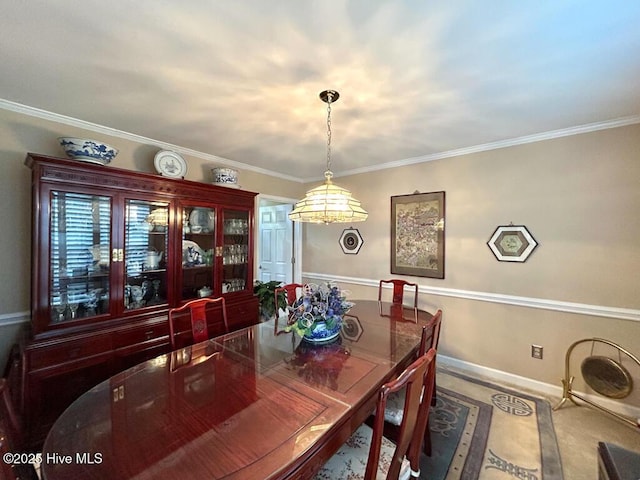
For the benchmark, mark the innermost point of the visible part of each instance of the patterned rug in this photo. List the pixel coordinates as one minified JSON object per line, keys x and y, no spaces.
{"x":484,"y":431}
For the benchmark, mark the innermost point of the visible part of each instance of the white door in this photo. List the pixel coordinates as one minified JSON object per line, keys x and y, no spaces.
{"x":276,"y":244}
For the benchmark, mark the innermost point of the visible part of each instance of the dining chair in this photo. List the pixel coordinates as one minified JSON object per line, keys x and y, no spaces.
{"x":11,"y":439}
{"x":290,"y":291}
{"x":395,"y":404}
{"x":398,"y":291}
{"x":367,"y":454}
{"x":197,"y":310}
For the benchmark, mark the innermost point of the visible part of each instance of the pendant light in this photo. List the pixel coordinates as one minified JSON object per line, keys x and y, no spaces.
{"x":328,"y":203}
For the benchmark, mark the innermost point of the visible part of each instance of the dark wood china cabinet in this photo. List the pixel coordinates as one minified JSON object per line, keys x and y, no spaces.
{"x":113,"y":250}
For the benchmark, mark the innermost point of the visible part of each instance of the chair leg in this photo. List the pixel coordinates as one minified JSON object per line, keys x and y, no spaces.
{"x":426,"y":443}
{"x":433,"y":397}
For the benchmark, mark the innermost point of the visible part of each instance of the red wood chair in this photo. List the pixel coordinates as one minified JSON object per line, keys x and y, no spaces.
{"x":367,"y":454}
{"x":398,"y":291}
{"x":11,"y":438}
{"x":395,"y":405}
{"x":198,"y":316}
{"x":290,"y":291}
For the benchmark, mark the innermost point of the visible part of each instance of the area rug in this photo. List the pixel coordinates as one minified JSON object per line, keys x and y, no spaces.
{"x":484,"y":431}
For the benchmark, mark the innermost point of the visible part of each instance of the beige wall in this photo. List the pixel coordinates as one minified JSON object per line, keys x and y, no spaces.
{"x":20,"y":134}
{"x":579,"y":196}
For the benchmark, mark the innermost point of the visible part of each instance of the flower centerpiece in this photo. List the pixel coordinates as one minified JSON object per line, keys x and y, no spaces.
{"x":317,"y":314}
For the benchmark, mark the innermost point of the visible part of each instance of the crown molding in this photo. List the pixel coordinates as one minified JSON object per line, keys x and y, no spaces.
{"x":538,"y":137}
{"x":94,"y":127}
{"x":528,"y":302}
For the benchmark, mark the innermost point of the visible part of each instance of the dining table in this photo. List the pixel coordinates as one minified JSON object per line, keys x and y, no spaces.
{"x":255,"y":404}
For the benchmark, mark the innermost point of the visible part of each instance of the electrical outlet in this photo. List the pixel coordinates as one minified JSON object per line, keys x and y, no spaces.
{"x":536,"y":351}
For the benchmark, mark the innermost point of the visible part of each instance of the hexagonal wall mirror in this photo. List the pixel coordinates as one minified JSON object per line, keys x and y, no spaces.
{"x":512,"y":243}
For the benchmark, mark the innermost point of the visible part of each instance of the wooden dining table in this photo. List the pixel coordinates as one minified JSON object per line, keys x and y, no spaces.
{"x":258,"y":403}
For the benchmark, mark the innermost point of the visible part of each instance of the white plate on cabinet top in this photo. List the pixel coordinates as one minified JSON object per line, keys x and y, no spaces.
{"x":170,"y":164}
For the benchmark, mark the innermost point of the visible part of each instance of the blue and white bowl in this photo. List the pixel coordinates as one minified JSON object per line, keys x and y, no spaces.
{"x":224,"y":176}
{"x":87,"y":150}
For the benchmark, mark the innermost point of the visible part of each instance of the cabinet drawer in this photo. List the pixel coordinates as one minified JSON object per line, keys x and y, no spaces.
{"x":242,"y":314}
{"x":44,"y":356}
{"x":140,"y":334}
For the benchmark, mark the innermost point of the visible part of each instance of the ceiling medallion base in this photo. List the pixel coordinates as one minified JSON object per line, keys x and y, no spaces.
{"x":324,"y":96}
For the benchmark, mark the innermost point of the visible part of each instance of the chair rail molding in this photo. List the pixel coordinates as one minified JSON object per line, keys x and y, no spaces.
{"x":528,"y":302}
{"x":16,"y":318}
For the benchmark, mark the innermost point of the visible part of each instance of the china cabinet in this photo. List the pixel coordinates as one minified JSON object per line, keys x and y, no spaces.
{"x":113,"y":250}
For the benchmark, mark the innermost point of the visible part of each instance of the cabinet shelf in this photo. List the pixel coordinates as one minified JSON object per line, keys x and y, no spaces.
{"x":84,"y":278}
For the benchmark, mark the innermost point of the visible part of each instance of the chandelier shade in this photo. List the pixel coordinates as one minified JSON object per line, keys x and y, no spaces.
{"x":328,"y":203}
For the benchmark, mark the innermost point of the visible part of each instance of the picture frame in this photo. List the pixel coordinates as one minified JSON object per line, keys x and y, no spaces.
{"x":512,"y":243}
{"x":351,"y":241}
{"x":417,"y":234}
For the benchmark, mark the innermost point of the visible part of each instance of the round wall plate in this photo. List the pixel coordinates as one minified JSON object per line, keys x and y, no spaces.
{"x":351,"y":241}
{"x":170,"y":164}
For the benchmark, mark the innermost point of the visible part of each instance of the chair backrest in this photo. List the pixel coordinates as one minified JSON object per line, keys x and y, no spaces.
{"x":198,"y":316}
{"x":414,"y":379}
{"x":290,"y":293}
{"x":398,"y":291}
{"x":431,"y":333}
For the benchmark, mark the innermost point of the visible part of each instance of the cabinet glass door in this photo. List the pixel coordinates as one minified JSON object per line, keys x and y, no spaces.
{"x":235,"y":251}
{"x":145,"y":252}
{"x":80,"y":259}
{"x":198,"y":248}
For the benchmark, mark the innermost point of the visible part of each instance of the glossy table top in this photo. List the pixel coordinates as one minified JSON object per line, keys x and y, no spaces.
{"x":254,"y":404}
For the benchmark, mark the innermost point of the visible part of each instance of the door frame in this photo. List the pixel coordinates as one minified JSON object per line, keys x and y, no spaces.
{"x":297,"y":236}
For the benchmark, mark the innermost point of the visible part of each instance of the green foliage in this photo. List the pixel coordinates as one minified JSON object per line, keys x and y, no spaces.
{"x":265,"y":291}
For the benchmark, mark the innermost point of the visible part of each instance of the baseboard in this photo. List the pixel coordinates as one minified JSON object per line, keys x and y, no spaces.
{"x":541,"y":388}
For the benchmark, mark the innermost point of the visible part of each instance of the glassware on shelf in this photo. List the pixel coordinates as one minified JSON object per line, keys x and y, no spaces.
{"x":236,"y":226}
{"x":73,"y":306}
{"x":60,"y":309}
{"x":234,"y":254}
{"x":233,"y":285}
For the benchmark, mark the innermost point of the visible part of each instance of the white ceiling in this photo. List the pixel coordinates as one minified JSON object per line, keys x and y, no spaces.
{"x":240,"y":79}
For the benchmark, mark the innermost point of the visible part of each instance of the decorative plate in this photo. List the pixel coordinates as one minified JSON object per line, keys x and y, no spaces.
{"x":204,"y":218}
{"x":170,"y":164}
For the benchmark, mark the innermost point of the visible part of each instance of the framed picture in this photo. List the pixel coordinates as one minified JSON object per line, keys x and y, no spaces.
{"x":512,"y":243}
{"x":417,"y":234}
{"x":351,"y":241}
